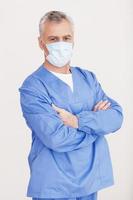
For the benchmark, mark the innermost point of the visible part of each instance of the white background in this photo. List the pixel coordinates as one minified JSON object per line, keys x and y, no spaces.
{"x":103,"y":44}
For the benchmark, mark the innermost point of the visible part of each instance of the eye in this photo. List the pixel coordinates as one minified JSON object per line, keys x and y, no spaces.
{"x":53,"y":39}
{"x":67,"y":38}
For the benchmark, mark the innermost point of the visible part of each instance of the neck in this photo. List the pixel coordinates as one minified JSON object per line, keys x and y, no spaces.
{"x":64,"y":70}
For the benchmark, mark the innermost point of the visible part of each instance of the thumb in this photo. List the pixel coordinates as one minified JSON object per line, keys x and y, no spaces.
{"x":56,"y":108}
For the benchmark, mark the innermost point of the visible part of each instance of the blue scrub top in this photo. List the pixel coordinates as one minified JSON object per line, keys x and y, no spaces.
{"x":68,"y":162}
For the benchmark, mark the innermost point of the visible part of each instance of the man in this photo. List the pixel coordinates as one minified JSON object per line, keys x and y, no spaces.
{"x":69,"y":114}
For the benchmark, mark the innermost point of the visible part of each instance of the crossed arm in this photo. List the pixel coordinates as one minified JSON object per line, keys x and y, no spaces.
{"x":106,"y":116}
{"x":64,"y":132}
{"x":72,"y":120}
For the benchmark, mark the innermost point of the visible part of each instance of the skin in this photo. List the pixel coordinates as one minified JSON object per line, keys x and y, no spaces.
{"x":55,"y":32}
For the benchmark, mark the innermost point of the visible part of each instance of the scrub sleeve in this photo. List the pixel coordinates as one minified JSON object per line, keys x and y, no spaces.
{"x":92,"y":196}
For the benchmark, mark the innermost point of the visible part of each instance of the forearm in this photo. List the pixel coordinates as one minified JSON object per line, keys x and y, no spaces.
{"x":100,"y":122}
{"x":56,"y":135}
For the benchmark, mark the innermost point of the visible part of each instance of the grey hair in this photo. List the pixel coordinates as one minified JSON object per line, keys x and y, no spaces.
{"x":54,"y":16}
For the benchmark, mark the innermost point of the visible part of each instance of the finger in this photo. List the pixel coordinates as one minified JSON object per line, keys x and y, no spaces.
{"x":96,"y":106}
{"x":57,"y":108}
{"x":102,"y":105}
{"x":106,"y":106}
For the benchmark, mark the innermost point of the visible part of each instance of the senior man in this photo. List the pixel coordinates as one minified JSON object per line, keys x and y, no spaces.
{"x":69,"y":115}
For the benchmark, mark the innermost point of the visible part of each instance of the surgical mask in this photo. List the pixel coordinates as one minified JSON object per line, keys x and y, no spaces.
{"x":60,"y":53}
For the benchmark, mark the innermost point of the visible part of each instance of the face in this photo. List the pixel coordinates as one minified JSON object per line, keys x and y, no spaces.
{"x":56,"y":32}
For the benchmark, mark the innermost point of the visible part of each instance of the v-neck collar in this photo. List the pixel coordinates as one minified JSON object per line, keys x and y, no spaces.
{"x":67,"y":78}
{"x":56,"y":78}
{"x":52,"y":82}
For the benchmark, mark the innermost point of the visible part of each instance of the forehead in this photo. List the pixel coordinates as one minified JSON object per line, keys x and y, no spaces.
{"x":58,"y":28}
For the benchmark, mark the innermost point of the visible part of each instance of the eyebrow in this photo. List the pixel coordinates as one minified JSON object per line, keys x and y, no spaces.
{"x":51,"y":36}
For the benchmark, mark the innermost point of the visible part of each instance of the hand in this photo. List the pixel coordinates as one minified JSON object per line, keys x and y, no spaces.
{"x":102,"y":105}
{"x":67,"y":117}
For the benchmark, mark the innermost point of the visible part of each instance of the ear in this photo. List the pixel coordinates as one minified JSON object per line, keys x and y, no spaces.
{"x":40,"y":42}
